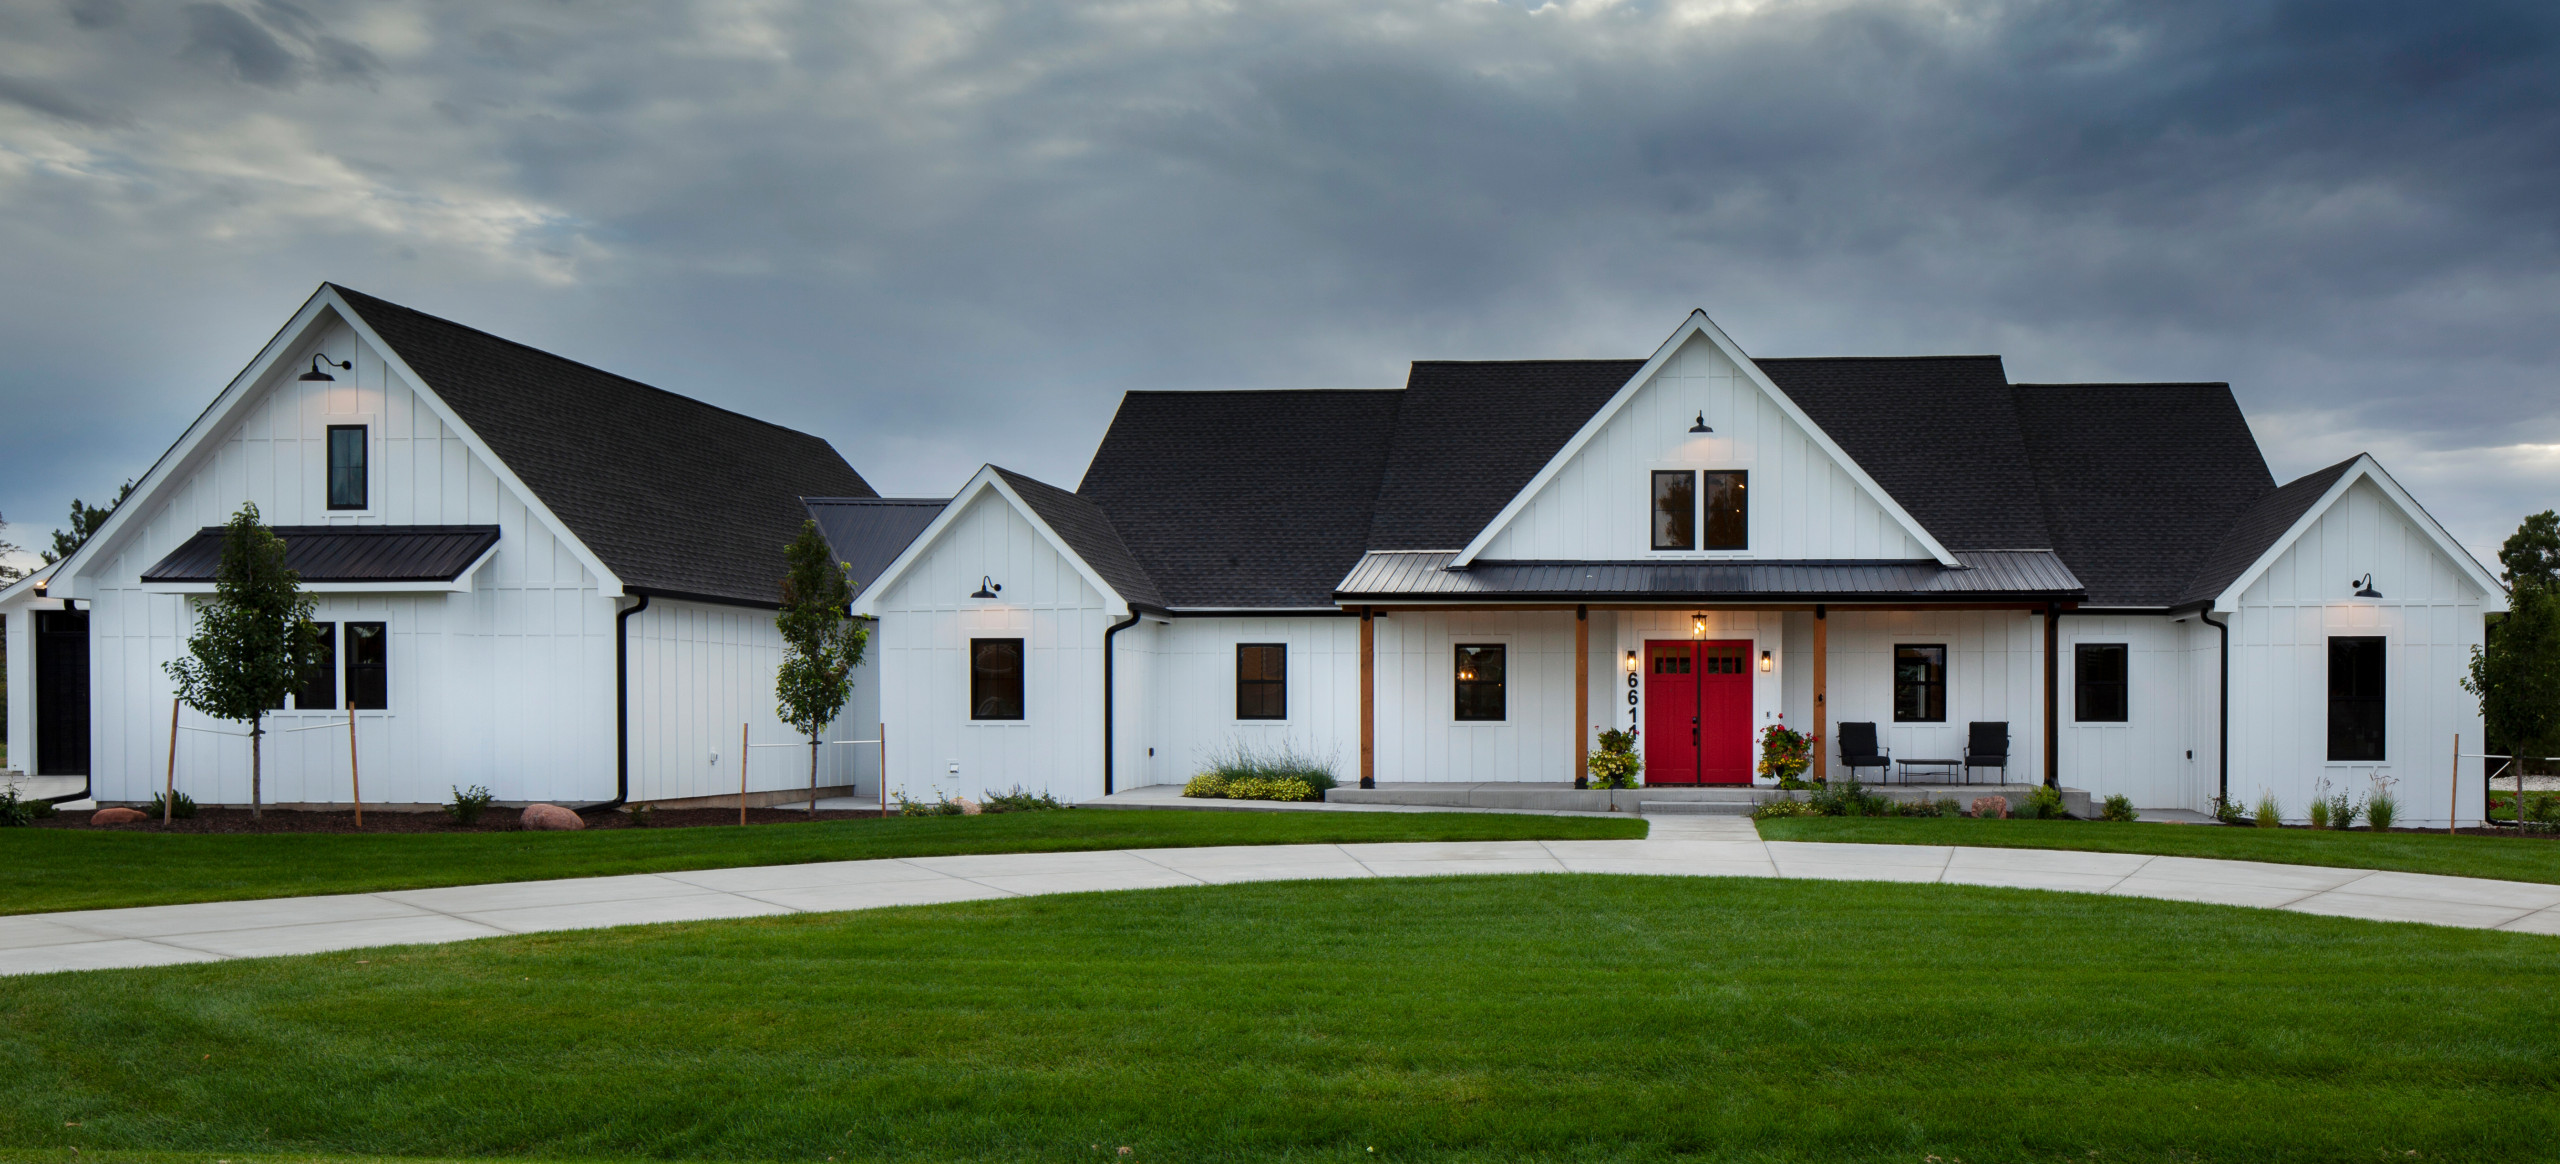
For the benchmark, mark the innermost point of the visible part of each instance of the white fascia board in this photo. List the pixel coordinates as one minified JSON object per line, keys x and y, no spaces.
{"x":2366,"y":468}
{"x":1699,"y":324}
{"x":866,"y":604}
{"x":608,"y":584}
{"x":25,"y":588}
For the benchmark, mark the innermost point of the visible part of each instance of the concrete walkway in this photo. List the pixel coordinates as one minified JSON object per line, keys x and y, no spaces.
{"x":1680,"y":846}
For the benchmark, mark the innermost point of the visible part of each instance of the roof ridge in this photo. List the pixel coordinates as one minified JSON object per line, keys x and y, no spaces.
{"x":343,"y":289}
{"x":1246,"y":391}
{"x":1976,"y":356}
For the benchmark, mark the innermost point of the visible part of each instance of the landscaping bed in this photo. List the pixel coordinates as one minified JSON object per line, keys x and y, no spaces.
{"x":2494,"y":853}
{"x":1584,"y":1018}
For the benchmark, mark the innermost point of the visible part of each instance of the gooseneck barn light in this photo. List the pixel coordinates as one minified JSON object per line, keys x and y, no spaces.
{"x":320,"y":360}
{"x":987,"y":587}
{"x":2364,"y":587}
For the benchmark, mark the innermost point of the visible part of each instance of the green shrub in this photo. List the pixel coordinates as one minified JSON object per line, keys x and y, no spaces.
{"x":1847,"y":797}
{"x":640,"y":816}
{"x":1784,"y":806}
{"x":2228,"y":813}
{"x":1269,"y":788}
{"x":16,"y":813}
{"x":2045,"y":803}
{"x":2319,"y":812}
{"x":1021,"y":801}
{"x":467,"y":806}
{"x":2343,"y":810}
{"x":180,"y":807}
{"x":1244,"y":761}
{"x":2380,"y":811}
{"x":1207,"y":785}
{"x":2119,"y":808}
{"x":2269,"y":814}
{"x":1950,"y":807}
{"x":940,"y":805}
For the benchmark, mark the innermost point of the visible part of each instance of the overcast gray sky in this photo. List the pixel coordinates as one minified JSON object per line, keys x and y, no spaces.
{"x":942,"y":234}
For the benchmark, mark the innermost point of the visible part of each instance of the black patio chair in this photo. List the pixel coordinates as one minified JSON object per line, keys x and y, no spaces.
{"x":1858,"y":749}
{"x":1986,"y":746}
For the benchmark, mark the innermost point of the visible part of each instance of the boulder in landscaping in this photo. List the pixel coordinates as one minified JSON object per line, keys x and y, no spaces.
{"x":1991,"y":807}
{"x":549,"y":817}
{"x":116,"y":816}
{"x":968,"y":807}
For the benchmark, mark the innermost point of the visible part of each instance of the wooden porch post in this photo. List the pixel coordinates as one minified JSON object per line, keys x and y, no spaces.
{"x":2052,"y":695}
{"x":1581,"y":688}
{"x":1821,"y":693}
{"x":1368,"y":698}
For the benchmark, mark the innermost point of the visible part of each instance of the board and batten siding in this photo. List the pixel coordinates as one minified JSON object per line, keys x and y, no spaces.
{"x":2154,"y":756}
{"x":699,"y":671}
{"x":2430,"y":616}
{"x":1188,"y":715}
{"x":1803,"y":504}
{"x":926,"y":621}
{"x":509,"y":685}
{"x":1995,"y":673}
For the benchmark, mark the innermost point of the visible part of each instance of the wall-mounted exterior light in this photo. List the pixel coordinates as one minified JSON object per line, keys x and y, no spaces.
{"x":2364,"y":587}
{"x":987,"y":587}
{"x":318,"y":361}
{"x":1698,"y":626}
{"x":1701,"y":425}
{"x":1631,"y":662}
{"x":1768,"y":662}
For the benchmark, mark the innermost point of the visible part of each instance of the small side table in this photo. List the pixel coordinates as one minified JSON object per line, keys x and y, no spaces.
{"x":1954,"y":768}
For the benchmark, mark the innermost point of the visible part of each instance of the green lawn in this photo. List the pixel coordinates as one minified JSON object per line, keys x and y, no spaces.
{"x":57,"y":869}
{"x":1584,"y":1018}
{"x":2505,"y":858}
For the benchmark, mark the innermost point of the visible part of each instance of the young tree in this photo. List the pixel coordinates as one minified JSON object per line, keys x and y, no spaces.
{"x":821,"y":642}
{"x":255,"y":642}
{"x":85,"y":520}
{"x":2518,"y":677}
{"x":8,"y":573}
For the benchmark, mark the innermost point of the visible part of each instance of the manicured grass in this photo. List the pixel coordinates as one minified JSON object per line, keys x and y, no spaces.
{"x":2505,"y":858}
{"x":58,"y":869}
{"x":1480,"y":1019}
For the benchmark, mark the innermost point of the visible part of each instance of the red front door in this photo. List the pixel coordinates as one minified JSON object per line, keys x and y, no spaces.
{"x":1697,"y":720}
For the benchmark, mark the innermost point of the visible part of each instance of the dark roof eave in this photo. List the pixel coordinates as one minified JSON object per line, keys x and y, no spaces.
{"x":1627,"y":598}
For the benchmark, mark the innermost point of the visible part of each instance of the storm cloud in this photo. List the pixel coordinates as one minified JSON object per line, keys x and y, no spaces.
{"x":941,"y":234}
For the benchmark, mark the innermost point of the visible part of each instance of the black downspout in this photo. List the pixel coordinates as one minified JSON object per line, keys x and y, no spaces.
{"x":2222,"y":739}
{"x":621,"y":710}
{"x":1107,"y":694}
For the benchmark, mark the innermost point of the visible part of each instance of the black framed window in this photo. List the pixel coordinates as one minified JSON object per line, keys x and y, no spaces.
{"x":1728,"y":515}
{"x":2355,"y":698}
{"x":1480,"y":672}
{"x":1262,"y":681}
{"x":1919,"y":683}
{"x":321,"y":694}
{"x":1675,"y":510}
{"x":347,"y":481}
{"x":995,"y":678}
{"x":2098,"y":682}
{"x":368,"y":652}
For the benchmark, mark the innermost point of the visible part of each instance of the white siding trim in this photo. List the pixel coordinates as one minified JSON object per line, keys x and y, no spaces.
{"x":2368,"y":469}
{"x":866,"y":604}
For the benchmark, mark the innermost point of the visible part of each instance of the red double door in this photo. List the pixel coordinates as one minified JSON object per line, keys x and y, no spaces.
{"x":1697,"y":712}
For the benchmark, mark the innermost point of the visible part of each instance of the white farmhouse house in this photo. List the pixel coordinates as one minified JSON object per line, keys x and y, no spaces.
{"x":536,"y":576}
{"x":1467,"y":578}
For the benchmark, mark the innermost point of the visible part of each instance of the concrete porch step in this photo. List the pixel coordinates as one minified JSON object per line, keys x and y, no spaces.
{"x":1695,"y":807}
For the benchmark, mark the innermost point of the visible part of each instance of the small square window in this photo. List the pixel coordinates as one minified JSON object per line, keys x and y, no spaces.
{"x":1675,"y":510}
{"x":1262,"y":681}
{"x":995,"y":678}
{"x":1728,"y":511}
{"x":2098,"y":682}
{"x":1480,"y":681}
{"x":348,"y":487}
{"x":1919,"y":683}
{"x":2355,"y":699}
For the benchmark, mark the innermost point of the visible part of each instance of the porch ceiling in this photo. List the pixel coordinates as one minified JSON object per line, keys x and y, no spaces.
{"x":1984,"y":576}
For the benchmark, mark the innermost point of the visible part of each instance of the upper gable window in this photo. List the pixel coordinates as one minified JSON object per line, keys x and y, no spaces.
{"x":347,"y":481}
{"x":1677,"y":512}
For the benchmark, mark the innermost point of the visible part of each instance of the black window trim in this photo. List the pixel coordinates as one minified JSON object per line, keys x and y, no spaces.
{"x":1281,"y":683}
{"x":1946,"y":663}
{"x":333,"y":676}
{"x":1652,"y":494}
{"x":347,"y":665}
{"x":1742,"y":479}
{"x":329,"y":467}
{"x":1458,"y":686}
{"x":1022,"y":679}
{"x":2081,"y":685}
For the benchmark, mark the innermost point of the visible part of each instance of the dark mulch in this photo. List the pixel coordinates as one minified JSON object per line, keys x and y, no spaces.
{"x":494,"y":820}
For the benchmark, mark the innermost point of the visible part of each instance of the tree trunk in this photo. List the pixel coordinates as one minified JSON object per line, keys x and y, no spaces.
{"x":257,"y":736}
{"x":813,"y":776}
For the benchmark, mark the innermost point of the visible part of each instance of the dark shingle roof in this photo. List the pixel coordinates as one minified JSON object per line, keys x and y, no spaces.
{"x":1085,"y":529}
{"x":1937,"y":432}
{"x":2254,"y":529}
{"x":1469,"y":435}
{"x":868,"y":533}
{"x":675,"y":496}
{"x":2139,"y":481}
{"x":1244,"y":499}
{"x":344,"y":553}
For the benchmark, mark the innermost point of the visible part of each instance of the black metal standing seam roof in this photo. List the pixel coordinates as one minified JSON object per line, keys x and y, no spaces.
{"x":2256,"y":529}
{"x":1082,"y":525}
{"x":675,"y":496}
{"x":1985,"y":576}
{"x":2139,"y":481}
{"x":344,"y":553}
{"x":1244,"y":499}
{"x":868,"y":533}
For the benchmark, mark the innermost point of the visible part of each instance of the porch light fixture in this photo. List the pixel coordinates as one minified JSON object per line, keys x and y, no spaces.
{"x":1767,"y":664}
{"x":987,"y":587}
{"x":319,"y":360}
{"x":1701,"y":425}
{"x":1698,"y":626}
{"x":1631,"y":662}
{"x":2364,"y":587}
